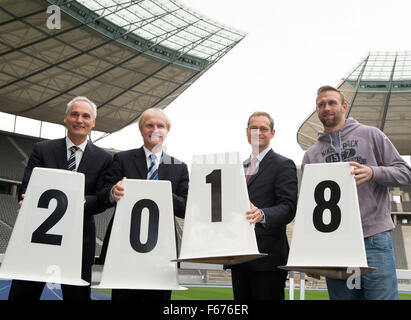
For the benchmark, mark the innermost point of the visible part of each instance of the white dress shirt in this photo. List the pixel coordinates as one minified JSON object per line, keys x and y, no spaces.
{"x":78,"y":153}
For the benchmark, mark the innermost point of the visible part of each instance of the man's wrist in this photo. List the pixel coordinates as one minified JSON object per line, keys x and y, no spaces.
{"x":262,"y":217}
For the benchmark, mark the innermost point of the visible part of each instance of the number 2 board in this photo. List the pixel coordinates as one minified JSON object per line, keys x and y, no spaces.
{"x":47,"y":238}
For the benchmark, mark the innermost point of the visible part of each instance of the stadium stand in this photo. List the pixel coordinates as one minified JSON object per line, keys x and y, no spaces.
{"x":15,"y":150}
{"x":8,"y":209}
{"x":399,"y":248}
{"x":5,"y":234}
{"x":102,"y":220}
{"x":406,"y":230}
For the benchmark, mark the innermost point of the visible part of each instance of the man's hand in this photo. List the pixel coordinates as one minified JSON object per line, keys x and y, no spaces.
{"x":21,"y":202}
{"x":254,"y":214}
{"x":361,"y":172}
{"x":118,"y":190}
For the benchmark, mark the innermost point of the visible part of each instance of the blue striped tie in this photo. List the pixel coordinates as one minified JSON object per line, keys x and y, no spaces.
{"x":153,"y":170}
{"x":71,"y":163}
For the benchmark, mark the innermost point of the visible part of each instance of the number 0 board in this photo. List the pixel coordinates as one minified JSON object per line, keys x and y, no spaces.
{"x":142,"y":240}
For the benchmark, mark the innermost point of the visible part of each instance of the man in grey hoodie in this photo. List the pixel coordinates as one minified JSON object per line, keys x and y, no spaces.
{"x":377,"y":165}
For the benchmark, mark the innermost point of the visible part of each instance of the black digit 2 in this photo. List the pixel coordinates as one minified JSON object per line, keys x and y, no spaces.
{"x":40,"y":235}
{"x":331,"y":204}
{"x":215,"y":179}
{"x":135,"y":227}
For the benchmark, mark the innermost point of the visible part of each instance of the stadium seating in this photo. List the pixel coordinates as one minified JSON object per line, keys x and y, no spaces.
{"x":15,"y":150}
{"x":5,"y":233}
{"x":399,"y":249}
{"x":8,"y":209}
{"x":102,"y":220}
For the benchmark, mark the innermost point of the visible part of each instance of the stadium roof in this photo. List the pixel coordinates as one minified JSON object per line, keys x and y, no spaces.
{"x":125,"y":55}
{"x":378,"y":92}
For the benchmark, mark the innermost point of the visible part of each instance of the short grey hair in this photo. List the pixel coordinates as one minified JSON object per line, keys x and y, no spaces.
{"x":80,"y":98}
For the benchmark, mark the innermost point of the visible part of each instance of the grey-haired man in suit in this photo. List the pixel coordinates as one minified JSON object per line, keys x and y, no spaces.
{"x":75,"y":153}
{"x":152,"y":163}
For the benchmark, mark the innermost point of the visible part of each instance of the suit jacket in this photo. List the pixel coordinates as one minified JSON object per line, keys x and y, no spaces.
{"x":94,"y":162}
{"x":133,"y":165}
{"x":273,"y":189}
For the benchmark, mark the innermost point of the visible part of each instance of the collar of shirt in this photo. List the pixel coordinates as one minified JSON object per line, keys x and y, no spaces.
{"x":69,"y":144}
{"x":261,"y":155}
{"x":148,"y":153}
{"x":79,"y":152}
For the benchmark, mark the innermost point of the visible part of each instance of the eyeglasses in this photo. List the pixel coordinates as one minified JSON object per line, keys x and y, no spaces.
{"x":261,"y":129}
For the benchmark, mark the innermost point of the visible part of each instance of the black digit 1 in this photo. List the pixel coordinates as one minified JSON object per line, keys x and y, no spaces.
{"x":40,"y":235}
{"x":135,"y":227}
{"x":215,"y":179}
{"x":331,"y":204}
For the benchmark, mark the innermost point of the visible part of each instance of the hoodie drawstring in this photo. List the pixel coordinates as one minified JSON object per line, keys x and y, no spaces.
{"x":338,"y":140}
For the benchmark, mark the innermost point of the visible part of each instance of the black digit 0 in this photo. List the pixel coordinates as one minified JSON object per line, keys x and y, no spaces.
{"x":331,"y":204}
{"x":215,"y":179}
{"x":40,"y":235}
{"x":135,"y":227}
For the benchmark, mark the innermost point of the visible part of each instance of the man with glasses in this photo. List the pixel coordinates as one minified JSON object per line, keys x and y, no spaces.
{"x":272,"y":189}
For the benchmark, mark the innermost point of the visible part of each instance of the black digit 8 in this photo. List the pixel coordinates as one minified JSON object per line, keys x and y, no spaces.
{"x":331,"y":204}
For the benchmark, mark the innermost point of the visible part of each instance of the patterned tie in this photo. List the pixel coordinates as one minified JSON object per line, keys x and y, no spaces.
{"x":71,"y":163}
{"x":153,"y":170}
{"x":252,"y":169}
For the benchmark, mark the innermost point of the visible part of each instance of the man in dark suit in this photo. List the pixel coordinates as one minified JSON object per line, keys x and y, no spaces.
{"x":139,"y":164}
{"x":74,"y":153}
{"x":272,"y":189}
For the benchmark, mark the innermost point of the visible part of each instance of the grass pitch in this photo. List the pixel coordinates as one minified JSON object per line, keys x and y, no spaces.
{"x":226,"y":293}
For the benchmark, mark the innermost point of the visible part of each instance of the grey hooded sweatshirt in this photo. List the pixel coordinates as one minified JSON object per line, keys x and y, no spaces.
{"x":369,"y":146}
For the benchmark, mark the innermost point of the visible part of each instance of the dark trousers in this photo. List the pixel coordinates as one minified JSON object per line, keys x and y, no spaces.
{"x":31,"y":291}
{"x":140,"y":295}
{"x":258,"y":285}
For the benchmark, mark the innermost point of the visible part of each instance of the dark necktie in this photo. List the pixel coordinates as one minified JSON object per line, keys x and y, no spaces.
{"x":153,"y":170}
{"x":71,"y":163}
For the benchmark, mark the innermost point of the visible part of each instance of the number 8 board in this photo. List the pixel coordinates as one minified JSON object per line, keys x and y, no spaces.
{"x":327,"y":237}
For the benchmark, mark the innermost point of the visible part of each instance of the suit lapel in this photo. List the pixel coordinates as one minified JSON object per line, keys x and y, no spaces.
{"x":162,"y":168}
{"x":86,"y":159}
{"x":60,"y":154}
{"x":140,"y":163}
